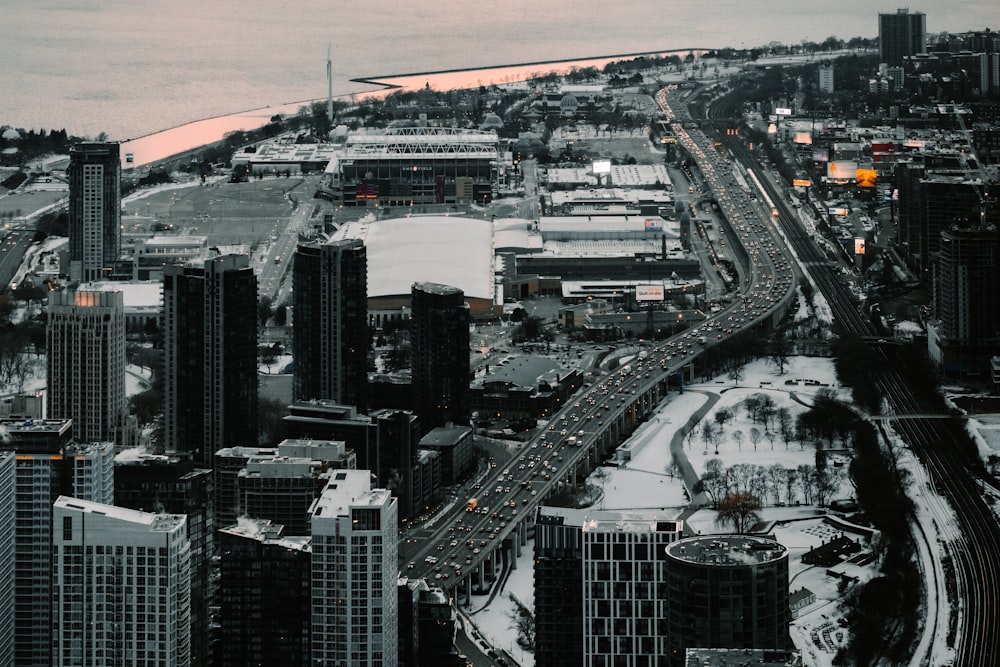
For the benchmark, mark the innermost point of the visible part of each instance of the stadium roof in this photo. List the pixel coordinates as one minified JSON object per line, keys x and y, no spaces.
{"x":450,"y":250}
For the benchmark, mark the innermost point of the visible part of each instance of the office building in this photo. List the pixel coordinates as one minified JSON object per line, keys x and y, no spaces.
{"x":8,"y":499}
{"x":599,"y":578}
{"x":354,"y":574}
{"x":264,"y":596}
{"x":120,"y":586}
{"x":280,"y":489}
{"x":901,"y":35}
{"x":94,"y":210}
{"x":85,"y":341}
{"x":441,"y":371}
{"x":47,"y":464}
{"x":245,"y":483}
{"x":330,"y":338}
{"x":725,"y":591}
{"x":210,"y":356}
{"x":966,"y":333}
{"x":172,"y":483}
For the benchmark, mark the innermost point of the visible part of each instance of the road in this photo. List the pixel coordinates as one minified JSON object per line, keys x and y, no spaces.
{"x":456,"y":546}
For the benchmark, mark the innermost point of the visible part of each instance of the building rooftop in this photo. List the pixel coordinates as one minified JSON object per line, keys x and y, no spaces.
{"x":449,"y":250}
{"x":727,"y":550}
{"x":741,"y":657}
{"x":445,"y":435}
{"x":346,"y":489}
{"x":156,"y":522}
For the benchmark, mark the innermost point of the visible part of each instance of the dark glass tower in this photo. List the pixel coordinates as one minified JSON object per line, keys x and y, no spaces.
{"x":900,"y":35}
{"x":173,"y":484}
{"x":440,"y":333}
{"x":210,"y":359}
{"x":330,"y":339}
{"x":94,"y":210}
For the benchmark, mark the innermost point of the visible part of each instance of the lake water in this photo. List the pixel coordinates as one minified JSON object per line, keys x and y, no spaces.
{"x":132,"y":67}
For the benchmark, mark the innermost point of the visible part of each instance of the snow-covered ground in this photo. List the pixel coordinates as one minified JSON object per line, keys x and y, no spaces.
{"x":645,"y":482}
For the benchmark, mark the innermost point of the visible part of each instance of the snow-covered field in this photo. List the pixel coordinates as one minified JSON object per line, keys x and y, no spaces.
{"x":646,"y":482}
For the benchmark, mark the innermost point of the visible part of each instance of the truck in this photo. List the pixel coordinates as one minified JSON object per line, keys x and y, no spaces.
{"x":471,"y":507}
{"x":573,"y":441}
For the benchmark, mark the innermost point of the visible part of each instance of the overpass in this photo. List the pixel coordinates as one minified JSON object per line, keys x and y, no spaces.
{"x":463,"y":545}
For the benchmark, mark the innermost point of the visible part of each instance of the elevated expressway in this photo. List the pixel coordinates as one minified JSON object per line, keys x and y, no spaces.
{"x":462,"y":547}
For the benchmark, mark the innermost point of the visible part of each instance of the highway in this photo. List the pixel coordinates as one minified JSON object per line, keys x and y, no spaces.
{"x":974,"y":577}
{"x":460,"y":542}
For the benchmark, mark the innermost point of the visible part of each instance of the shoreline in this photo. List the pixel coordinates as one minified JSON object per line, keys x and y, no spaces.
{"x":167,"y":143}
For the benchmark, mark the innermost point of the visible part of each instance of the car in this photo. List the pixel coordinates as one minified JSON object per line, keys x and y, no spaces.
{"x":454,"y":543}
{"x":514,"y":512}
{"x":476,"y":550}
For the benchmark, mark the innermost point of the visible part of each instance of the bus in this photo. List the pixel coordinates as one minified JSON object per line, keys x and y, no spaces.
{"x":471,"y":507}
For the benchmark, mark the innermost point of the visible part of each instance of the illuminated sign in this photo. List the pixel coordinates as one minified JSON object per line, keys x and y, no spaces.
{"x":843,"y":212}
{"x":782,"y":111}
{"x":865,"y":178}
{"x":649,"y":292}
{"x":602,"y":166}
{"x":802,"y":138}
{"x":859,"y":246}
{"x":801,"y":182}
{"x":842,"y":170}
{"x":654,"y":225}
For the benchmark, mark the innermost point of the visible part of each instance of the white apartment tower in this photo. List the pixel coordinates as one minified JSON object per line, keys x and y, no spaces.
{"x":120,"y":591}
{"x":826,"y":85}
{"x":85,"y":338}
{"x":354,"y":574}
{"x":8,"y":480}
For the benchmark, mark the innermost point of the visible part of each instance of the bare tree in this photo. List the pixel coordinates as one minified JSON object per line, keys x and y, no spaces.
{"x":739,"y":511}
{"x":754,"y":436}
{"x":785,"y":425}
{"x":791,"y":477}
{"x":713,"y":481}
{"x":706,"y":433}
{"x":736,"y":373}
{"x":690,"y":435}
{"x":806,"y":481}
{"x":776,"y":480}
{"x":738,"y":437}
{"x":523,"y":622}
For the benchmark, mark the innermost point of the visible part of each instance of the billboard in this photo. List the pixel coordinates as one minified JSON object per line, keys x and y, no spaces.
{"x":649,"y":292}
{"x":843,"y":170}
{"x":782,"y":111}
{"x":654,"y":225}
{"x":804,"y":138}
{"x":865,"y":178}
{"x":801,"y":182}
{"x":602,"y":166}
{"x":859,"y":246}
{"x":821,"y":154}
{"x":843,"y":212}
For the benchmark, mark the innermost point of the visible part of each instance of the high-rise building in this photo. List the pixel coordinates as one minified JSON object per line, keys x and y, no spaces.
{"x":264,"y":596}
{"x":826,"y":84}
{"x":599,"y":578}
{"x":256,"y":482}
{"x":725,"y":591}
{"x":120,"y":586}
{"x":94,"y":210}
{"x":355,"y":569}
{"x":441,"y":375}
{"x":85,"y":340}
{"x":330,"y":338}
{"x":47,"y":464}
{"x":210,"y":356}
{"x":8,"y":499}
{"x":172,"y":483}
{"x":901,"y":35}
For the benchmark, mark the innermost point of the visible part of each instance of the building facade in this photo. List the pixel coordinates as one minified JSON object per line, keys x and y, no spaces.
{"x":85,"y":341}
{"x":354,"y":574}
{"x":441,"y":369}
{"x":8,"y":500}
{"x":264,"y":596}
{"x":826,"y":81}
{"x":210,"y":356}
{"x":726,"y":591}
{"x":47,"y":464}
{"x":120,"y":586}
{"x":173,"y":484}
{"x":901,"y":35}
{"x":94,"y":210}
{"x":330,"y":338}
